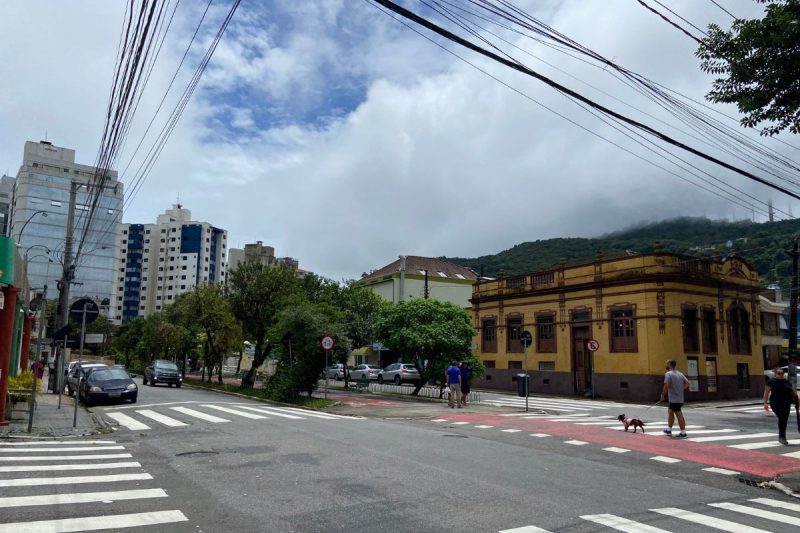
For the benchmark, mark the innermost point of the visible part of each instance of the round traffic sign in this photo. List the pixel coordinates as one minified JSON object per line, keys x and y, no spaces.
{"x":526,"y":338}
{"x":327,"y":342}
{"x":592,"y":345}
{"x":76,"y":310}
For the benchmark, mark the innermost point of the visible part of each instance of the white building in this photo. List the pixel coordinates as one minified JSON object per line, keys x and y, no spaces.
{"x":157,"y":262}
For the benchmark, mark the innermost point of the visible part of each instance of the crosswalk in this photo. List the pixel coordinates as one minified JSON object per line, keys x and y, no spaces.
{"x":61,"y":479}
{"x":183,"y":414}
{"x":752,"y":409}
{"x":755,"y":515}
{"x":546,"y":403}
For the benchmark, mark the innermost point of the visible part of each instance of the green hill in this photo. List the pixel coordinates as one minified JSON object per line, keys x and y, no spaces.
{"x":763,"y":244}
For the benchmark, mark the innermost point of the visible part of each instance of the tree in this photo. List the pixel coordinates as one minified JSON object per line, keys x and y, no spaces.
{"x":207,"y":307}
{"x":257,"y":295}
{"x":161,"y":338}
{"x":758,"y":61}
{"x":307,"y":322}
{"x":127,"y":339}
{"x":430,"y":334}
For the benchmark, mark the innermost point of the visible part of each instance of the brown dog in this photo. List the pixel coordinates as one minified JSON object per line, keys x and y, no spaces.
{"x":628,"y":422}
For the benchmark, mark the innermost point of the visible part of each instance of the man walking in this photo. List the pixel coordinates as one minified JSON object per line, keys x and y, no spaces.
{"x":674,"y":385}
{"x":453,"y":377}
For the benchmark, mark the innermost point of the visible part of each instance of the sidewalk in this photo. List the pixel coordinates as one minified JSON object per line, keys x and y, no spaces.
{"x":50,"y":421}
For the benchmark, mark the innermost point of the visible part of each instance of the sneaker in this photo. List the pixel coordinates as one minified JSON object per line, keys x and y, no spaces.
{"x":783,"y":441}
{"x":667,"y":431}
{"x":681,"y":435}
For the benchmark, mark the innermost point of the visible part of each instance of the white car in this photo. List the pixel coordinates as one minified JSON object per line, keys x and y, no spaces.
{"x":399,"y":373}
{"x":365,"y":372}
{"x":336,"y":371}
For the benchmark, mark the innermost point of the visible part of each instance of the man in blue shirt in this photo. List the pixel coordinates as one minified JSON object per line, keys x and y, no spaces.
{"x":453,"y":377}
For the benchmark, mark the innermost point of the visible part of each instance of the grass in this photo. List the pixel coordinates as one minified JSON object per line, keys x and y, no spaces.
{"x":303,"y":401}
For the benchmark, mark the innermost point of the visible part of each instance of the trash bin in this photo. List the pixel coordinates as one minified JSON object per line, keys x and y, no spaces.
{"x":522,"y":384}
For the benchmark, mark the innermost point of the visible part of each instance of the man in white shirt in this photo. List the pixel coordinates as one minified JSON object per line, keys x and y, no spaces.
{"x":674,"y":385}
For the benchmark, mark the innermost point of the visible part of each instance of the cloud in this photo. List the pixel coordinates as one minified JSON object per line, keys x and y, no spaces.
{"x":335,"y":134}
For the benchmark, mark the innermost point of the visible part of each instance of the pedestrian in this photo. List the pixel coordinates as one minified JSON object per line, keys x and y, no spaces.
{"x":792,"y":371}
{"x":453,"y":380}
{"x":38,"y":367}
{"x":466,"y":375}
{"x":780,"y":396}
{"x":674,"y":385}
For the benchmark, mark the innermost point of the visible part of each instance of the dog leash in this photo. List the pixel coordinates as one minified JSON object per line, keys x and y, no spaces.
{"x":641,"y":415}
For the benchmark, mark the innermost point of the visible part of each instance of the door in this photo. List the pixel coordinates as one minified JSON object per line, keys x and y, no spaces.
{"x":581,"y":359}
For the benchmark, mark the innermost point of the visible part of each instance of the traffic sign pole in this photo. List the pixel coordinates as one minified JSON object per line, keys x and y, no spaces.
{"x":327,"y":343}
{"x":526,"y":338}
{"x":592,"y":345}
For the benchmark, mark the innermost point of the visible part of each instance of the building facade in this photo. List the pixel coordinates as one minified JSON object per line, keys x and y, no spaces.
{"x":774,"y":328}
{"x":408,"y":277}
{"x":157,"y":262}
{"x":264,"y":255}
{"x":641,"y":311}
{"x":40,"y":204}
{"x":6,"y":195}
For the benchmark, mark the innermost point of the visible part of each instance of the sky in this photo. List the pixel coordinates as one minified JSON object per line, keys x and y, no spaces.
{"x":334,"y":133}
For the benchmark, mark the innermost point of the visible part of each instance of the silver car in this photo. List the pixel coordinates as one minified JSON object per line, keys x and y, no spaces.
{"x":365,"y":372}
{"x":399,"y":373}
{"x":336,"y":371}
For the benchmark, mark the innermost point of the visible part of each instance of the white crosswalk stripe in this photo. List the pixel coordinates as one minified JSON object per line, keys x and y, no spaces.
{"x":161,"y":419}
{"x":128,"y":422}
{"x":237,"y":412}
{"x":730,"y":437}
{"x":727,"y":516}
{"x":128,"y":489}
{"x":772,"y":443}
{"x":198,"y":414}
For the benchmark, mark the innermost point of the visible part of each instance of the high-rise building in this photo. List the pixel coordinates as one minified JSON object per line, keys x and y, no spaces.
{"x":157,"y":262}
{"x":265,"y":255}
{"x":39,"y":210}
{"x":6,"y":194}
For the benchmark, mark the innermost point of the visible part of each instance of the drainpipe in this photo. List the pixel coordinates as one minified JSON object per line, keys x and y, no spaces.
{"x":402,"y":277}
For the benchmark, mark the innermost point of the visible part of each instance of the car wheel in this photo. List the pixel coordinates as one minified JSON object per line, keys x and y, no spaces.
{"x":144,"y":380}
{"x":178,"y":385}
{"x":152,"y":383}
{"x":380,"y":380}
{"x":133,"y":400}
{"x":397,"y":380}
{"x":170,"y":385}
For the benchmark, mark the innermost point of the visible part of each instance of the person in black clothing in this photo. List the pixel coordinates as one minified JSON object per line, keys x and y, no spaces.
{"x":779,"y":395}
{"x":466,"y":374}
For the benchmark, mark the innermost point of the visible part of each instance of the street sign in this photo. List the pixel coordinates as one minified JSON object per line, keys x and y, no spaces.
{"x":94,"y":338}
{"x":76,"y":310}
{"x":592,"y":345}
{"x":327,"y":342}
{"x":526,"y":338}
{"x":377,"y":347}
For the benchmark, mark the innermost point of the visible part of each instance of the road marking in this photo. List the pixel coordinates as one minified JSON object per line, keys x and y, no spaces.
{"x":82,"y":449}
{"x":236,"y":412}
{"x":72,"y":480}
{"x":268,"y":411}
{"x":760,"y":513}
{"x":657,"y":433}
{"x":92,"y":523}
{"x":793,"y":455}
{"x":614,"y":449}
{"x":749,"y":408}
{"x":67,"y":457}
{"x":713,"y":431}
{"x":198,"y":414}
{"x":724,"y":471}
{"x":575,"y":442}
{"x":128,"y":422}
{"x":81,"y":497}
{"x":162,"y":419}
{"x":459,"y":423}
{"x":539,"y":435}
{"x":708,"y":521}
{"x":525,"y":529}
{"x":50,"y":442}
{"x":730,"y":437}
{"x":621,"y":524}
{"x":663,"y":459}
{"x":603,"y":423}
{"x":308,"y":412}
{"x":758,"y":445}
{"x":483,"y":427}
{"x":777,"y":503}
{"x":510,"y":430}
{"x":438,"y":420}
{"x":57,"y":468}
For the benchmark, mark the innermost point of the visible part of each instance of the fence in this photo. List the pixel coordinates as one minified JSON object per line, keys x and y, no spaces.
{"x":425,"y":392}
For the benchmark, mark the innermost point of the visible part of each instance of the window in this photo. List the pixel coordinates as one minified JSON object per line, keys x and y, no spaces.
{"x":515,"y":365}
{"x":517,"y":282}
{"x":514,"y":327}
{"x":738,"y":329}
{"x":623,"y":329}
{"x":183,"y":267}
{"x":489,"y":335}
{"x":743,"y":375}
{"x":489,"y":364}
{"x":546,"y":332}
{"x":691,"y":333}
{"x":547,"y":365}
{"x":709,"y":331}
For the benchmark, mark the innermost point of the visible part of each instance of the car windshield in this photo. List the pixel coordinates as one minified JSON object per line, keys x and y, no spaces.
{"x":167,"y":366}
{"x":107,"y":374}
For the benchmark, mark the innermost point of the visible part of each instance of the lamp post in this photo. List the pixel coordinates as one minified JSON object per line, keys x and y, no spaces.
{"x":43,"y":213}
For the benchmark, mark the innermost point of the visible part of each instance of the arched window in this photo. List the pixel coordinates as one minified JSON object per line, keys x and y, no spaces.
{"x":739,"y":329}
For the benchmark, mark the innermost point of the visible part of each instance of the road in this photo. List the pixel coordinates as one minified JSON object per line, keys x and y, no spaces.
{"x":205,"y":462}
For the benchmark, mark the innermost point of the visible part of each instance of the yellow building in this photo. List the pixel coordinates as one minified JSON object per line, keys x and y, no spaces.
{"x":640,"y":310}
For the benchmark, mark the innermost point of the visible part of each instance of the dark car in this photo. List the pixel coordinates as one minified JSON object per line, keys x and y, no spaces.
{"x":104,"y":384}
{"x":161,"y":371}
{"x":78,"y":372}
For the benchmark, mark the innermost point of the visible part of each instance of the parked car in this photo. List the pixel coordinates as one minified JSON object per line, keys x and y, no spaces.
{"x":399,"y":373}
{"x":162,"y":371}
{"x":78,"y":372}
{"x":365,"y":372}
{"x":106,"y":384}
{"x":336,"y":371}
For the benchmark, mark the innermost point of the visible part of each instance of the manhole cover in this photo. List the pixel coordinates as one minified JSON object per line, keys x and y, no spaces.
{"x":198,"y":453}
{"x":455,"y":436}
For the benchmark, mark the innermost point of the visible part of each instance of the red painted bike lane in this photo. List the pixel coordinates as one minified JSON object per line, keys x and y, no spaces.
{"x":752,"y":462}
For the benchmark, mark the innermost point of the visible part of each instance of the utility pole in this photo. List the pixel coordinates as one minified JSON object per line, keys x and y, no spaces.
{"x":793,"y":301}
{"x":426,"y":292}
{"x":68,"y":272}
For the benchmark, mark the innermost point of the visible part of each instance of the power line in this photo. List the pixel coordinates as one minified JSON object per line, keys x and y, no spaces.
{"x":734,"y":17}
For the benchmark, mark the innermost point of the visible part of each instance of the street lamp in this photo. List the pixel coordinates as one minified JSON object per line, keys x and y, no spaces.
{"x":19,"y":235}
